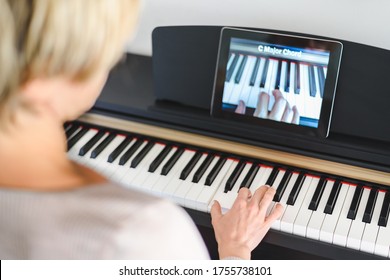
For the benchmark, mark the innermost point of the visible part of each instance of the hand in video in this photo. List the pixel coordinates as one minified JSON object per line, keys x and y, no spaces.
{"x":281,"y":110}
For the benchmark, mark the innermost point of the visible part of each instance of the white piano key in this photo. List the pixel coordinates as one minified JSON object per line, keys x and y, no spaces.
{"x":132,"y":173}
{"x":231,"y":58}
{"x":312,"y":104}
{"x":229,"y":197}
{"x":371,"y":230}
{"x":146,"y":183}
{"x":122,"y":170}
{"x":284,"y":198}
{"x":316,"y":104}
{"x":306,"y":79}
{"x":330,"y":221}
{"x":180,"y":194}
{"x":229,"y":86}
{"x":92,"y":162}
{"x":307,"y":99}
{"x":103,"y":165}
{"x":318,"y":216}
{"x":382,"y":244}
{"x":192,"y":195}
{"x":270,"y":70}
{"x":247,"y":88}
{"x":343,"y":224}
{"x":303,"y":216}
{"x":357,"y":227}
{"x":300,"y":98}
{"x":73,"y":153}
{"x":289,"y":216}
{"x":261,"y":177}
{"x":142,"y":174}
{"x":291,"y":96}
{"x":268,"y":81}
{"x":275,"y":185}
{"x":272,"y":83}
{"x":206,"y":197}
{"x":317,"y":81}
{"x":220,"y":194}
{"x":241,"y":90}
{"x":255,"y":91}
{"x":167,"y":185}
{"x":111,"y":168}
{"x":283,"y":73}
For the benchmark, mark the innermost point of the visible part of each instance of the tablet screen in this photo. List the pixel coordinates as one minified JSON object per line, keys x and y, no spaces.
{"x":276,"y":80}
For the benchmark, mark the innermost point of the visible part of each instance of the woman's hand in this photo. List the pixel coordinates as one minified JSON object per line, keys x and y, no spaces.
{"x":242,"y":228}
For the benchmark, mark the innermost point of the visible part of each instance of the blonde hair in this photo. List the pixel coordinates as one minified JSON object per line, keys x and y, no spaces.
{"x":47,"y":38}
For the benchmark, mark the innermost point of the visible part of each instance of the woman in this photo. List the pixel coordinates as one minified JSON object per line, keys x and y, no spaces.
{"x":54,"y":59}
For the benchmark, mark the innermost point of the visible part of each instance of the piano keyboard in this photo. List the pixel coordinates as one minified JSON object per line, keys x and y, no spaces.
{"x":301,"y":83}
{"x":323,"y":207}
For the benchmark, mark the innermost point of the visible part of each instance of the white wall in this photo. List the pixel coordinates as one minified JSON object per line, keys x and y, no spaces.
{"x":363,"y":21}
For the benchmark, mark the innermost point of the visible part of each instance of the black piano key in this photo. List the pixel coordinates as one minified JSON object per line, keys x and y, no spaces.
{"x":229,"y":72}
{"x":254,"y":72}
{"x":171,"y":162}
{"x":355,"y":202}
{"x":214,"y":172}
{"x":250,"y":176}
{"x":367,"y":216}
{"x":234,"y":176}
{"x":67,"y":125}
{"x":278,"y":74}
{"x":240,"y":70}
{"x":333,"y":197}
{"x":315,"y":200}
{"x":384,"y":215}
{"x":72,"y":141}
{"x":102,"y":145}
{"x":272,"y":176}
{"x":292,"y":197}
{"x":190,"y":165}
{"x":127,"y":155}
{"x":71,"y":130}
{"x":141,"y":155}
{"x":297,"y":88}
{"x":282,"y":186}
{"x":202,"y":168}
{"x":84,"y":149}
{"x":265,"y":73}
{"x":287,"y":78}
{"x":230,"y":56}
{"x":321,"y":80}
{"x":161,"y":156}
{"x":312,"y":81}
{"x":118,"y":150}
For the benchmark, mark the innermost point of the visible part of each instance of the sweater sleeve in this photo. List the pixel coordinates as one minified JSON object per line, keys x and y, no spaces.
{"x":160,"y":230}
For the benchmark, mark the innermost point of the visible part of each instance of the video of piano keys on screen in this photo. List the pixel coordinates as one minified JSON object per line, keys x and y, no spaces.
{"x":298,"y":73}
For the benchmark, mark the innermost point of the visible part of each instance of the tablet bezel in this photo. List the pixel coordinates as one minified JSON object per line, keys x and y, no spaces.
{"x":335,"y":49}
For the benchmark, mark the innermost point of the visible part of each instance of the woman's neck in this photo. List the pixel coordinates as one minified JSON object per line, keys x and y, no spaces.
{"x":33,"y":154}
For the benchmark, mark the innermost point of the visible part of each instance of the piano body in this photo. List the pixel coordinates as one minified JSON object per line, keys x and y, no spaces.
{"x":151,"y":129}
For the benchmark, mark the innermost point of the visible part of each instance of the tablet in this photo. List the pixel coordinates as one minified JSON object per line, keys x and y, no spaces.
{"x":276,"y":80}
